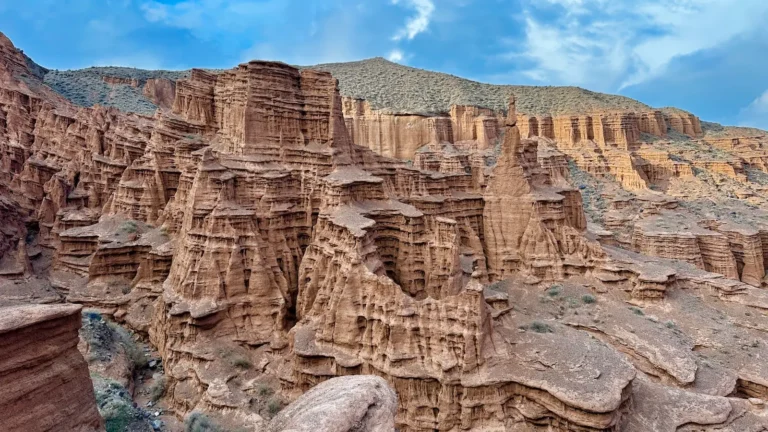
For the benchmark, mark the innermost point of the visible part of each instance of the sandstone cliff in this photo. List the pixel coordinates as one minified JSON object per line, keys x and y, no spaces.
{"x":251,"y":240}
{"x":45,"y":381}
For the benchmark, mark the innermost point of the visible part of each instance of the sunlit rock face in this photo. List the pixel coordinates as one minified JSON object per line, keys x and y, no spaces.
{"x":259,"y":229}
{"x":45,"y":379}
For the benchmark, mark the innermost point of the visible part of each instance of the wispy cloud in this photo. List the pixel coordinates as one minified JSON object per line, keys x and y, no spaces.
{"x":756,"y":113}
{"x":611,"y":45}
{"x":418,"y":23}
{"x":395,"y":56}
{"x":208,"y":18}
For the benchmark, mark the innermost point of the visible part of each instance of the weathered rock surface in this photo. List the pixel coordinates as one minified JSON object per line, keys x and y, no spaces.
{"x":264,"y":253}
{"x":161,"y":91}
{"x":344,"y":404}
{"x":45,"y":381}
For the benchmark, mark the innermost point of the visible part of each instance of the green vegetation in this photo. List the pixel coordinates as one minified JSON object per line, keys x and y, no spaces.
{"x":158,"y":389}
{"x":129,"y":227}
{"x":116,"y":407}
{"x":199,"y":422}
{"x":588,"y":299}
{"x":274,"y":406}
{"x":554,"y":290}
{"x":384,"y":84}
{"x":637,"y":310}
{"x":242,"y":363}
{"x":103,"y":338}
{"x":264,"y":390}
{"x":86,"y":87}
{"x":540,"y":327}
{"x":404,"y":89}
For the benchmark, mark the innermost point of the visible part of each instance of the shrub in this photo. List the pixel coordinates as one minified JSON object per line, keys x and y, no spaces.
{"x":132,"y":350}
{"x":199,"y":422}
{"x":670,"y":324}
{"x":554,"y":290}
{"x":242,"y":363}
{"x":114,"y":405}
{"x":637,"y":310}
{"x":129,"y":227}
{"x":158,"y":389}
{"x":572,"y":302}
{"x":274,"y":406}
{"x":265,"y":390}
{"x":540,"y":327}
{"x":117,"y":414}
{"x":588,"y":299}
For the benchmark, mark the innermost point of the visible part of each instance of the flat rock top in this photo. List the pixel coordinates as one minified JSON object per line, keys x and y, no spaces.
{"x":18,"y":317}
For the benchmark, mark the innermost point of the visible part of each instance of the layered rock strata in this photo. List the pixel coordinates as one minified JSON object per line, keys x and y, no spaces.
{"x":246,"y":235}
{"x":401,"y":134}
{"x":45,"y":381}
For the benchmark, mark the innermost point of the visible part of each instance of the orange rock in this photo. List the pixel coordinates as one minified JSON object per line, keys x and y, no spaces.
{"x":44,"y":377}
{"x":161,"y":91}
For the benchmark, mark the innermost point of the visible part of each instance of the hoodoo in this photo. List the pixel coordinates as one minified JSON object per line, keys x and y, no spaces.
{"x":303,"y":253}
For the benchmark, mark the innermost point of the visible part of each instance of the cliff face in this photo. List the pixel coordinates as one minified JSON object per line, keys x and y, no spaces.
{"x":401,"y":135}
{"x":531,"y":223}
{"x":45,"y":381}
{"x":247,"y":235}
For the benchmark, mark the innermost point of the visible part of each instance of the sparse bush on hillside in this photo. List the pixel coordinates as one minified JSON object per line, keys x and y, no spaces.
{"x":540,"y":327}
{"x":398,"y":88}
{"x":199,"y":422}
{"x":384,"y":84}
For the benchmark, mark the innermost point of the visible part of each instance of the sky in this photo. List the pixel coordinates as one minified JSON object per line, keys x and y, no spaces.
{"x":705,"y":56}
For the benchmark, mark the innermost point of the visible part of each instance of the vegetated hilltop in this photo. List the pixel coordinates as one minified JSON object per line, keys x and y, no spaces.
{"x":386,"y":85}
{"x":86,"y":87}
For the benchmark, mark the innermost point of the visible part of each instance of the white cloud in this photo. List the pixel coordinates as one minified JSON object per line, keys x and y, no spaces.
{"x":756,"y":113}
{"x":395,"y":56}
{"x":418,"y":23}
{"x":209,"y":17}
{"x":610,"y":45}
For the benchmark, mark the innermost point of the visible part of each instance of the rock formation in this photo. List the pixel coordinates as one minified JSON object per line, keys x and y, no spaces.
{"x":243,"y":231}
{"x":44,"y":377}
{"x":344,"y":404}
{"x":161,"y":91}
{"x":531,"y":224}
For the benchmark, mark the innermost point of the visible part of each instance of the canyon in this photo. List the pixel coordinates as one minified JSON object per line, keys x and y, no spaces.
{"x":482,"y":268}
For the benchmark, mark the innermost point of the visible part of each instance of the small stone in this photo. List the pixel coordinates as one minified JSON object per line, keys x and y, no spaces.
{"x":150,"y":403}
{"x":157,"y":413}
{"x":157,"y":424}
{"x":756,"y":401}
{"x":153,"y":363}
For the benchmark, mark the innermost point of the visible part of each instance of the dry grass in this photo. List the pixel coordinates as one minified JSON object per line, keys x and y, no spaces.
{"x":401,"y":88}
{"x":384,"y":84}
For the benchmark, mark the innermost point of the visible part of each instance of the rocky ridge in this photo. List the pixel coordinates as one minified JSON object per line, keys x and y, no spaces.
{"x":261,"y":250}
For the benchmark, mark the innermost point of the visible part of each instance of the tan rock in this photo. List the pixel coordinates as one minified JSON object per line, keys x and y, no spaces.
{"x":44,"y":377}
{"x":161,"y":91}
{"x":343,"y":404}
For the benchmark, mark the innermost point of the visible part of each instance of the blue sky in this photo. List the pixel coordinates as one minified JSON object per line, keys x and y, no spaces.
{"x":707,"y":56}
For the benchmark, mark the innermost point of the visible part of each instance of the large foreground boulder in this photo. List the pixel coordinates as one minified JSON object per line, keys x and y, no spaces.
{"x":343,"y":404}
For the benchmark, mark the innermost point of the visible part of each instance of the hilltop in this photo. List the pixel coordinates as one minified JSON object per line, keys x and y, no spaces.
{"x":385,"y":85}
